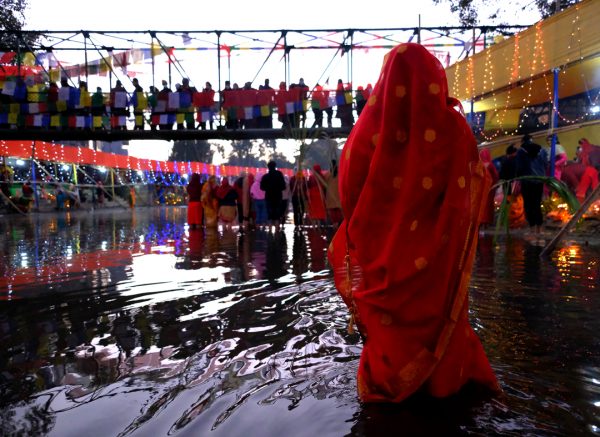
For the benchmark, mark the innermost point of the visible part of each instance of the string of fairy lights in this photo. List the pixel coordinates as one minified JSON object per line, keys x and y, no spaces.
{"x":464,"y":76}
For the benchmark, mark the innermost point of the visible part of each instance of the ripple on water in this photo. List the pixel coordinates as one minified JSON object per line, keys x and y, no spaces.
{"x":235,"y":335}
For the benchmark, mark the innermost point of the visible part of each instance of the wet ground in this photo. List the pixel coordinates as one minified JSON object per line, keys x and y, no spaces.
{"x":127,"y":323}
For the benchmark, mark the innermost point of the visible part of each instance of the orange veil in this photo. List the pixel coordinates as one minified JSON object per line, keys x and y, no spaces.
{"x":412,"y":187}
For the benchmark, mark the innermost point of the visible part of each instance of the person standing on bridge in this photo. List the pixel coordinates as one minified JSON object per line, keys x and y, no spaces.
{"x":402,"y":257}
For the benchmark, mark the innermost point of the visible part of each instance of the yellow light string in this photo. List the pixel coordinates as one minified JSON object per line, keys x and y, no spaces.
{"x":544,"y":65}
{"x":533,"y":68}
{"x":576,"y":33}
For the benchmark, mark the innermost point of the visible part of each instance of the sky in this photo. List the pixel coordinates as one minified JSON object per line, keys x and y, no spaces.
{"x":181,"y":15}
{"x":234,"y":15}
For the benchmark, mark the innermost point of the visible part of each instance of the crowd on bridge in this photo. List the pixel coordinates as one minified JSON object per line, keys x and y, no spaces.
{"x":27,"y":105}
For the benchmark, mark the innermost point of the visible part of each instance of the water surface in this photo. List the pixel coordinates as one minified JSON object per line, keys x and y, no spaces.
{"x":128,"y":323}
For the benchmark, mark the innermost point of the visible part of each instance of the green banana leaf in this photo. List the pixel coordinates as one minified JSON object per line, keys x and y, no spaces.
{"x":554,"y":184}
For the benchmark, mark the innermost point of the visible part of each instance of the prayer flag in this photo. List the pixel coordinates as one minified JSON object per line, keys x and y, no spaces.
{"x":38,"y":120}
{"x":34,"y":108}
{"x":85,"y":100}
{"x":9,"y":88}
{"x":161,"y":106}
{"x":61,"y":106}
{"x":63,"y":94}
{"x":120,"y":99}
{"x":80,"y":121}
{"x":180,"y":118}
{"x":265,"y":110}
{"x":173,"y":100}
{"x":97,"y":121}
{"x":15,"y":108}
{"x":13,"y":117}
{"x":33,"y":93}
{"x":185,"y":99}
{"x":348,"y":97}
{"x":55,"y":121}
{"x":248,"y":113}
{"x":54,"y":75}
{"x":289,"y":107}
{"x":139,"y":120}
{"x":141,"y":100}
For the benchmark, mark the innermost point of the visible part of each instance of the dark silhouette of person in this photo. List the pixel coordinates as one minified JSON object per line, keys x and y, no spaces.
{"x":273,"y":184}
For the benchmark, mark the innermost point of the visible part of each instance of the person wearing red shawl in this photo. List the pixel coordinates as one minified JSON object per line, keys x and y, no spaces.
{"x":487,"y":217}
{"x":590,"y":153}
{"x":194,"y":211}
{"x":227,"y":197}
{"x":318,"y":103}
{"x":283,"y":100}
{"x":316,"y":196}
{"x":412,"y":188}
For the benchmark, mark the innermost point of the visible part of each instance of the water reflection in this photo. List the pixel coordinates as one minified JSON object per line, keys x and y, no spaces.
{"x":131,"y":323}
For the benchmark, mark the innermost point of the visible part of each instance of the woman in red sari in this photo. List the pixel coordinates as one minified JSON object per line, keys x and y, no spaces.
{"x":487,"y":214}
{"x":194,"y":191}
{"x":316,"y":197}
{"x":412,"y":187}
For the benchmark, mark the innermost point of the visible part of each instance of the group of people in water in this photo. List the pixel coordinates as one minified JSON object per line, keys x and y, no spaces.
{"x":525,"y":195}
{"x":264,"y":199}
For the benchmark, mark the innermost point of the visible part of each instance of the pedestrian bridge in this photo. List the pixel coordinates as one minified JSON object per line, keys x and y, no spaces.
{"x":172,"y":135}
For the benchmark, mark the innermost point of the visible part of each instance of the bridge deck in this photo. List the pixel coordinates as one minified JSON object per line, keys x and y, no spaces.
{"x":192,"y":134}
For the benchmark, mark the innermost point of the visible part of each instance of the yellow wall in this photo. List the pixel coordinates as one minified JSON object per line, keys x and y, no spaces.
{"x":572,"y":35}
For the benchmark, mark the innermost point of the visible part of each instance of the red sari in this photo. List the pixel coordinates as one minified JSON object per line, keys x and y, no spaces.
{"x":316,"y":198}
{"x":412,"y":187}
{"x":487,"y":214}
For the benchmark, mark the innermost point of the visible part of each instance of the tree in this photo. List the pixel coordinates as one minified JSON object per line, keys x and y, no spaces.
{"x":281,"y":160}
{"x":469,"y":11}
{"x":193,"y":150}
{"x":247,"y":153}
{"x":12,"y":19}
{"x":320,"y":151}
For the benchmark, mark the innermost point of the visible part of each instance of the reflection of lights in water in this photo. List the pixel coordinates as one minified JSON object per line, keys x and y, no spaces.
{"x":104,"y":245}
{"x":566,"y":259}
{"x":142,"y":238}
{"x":69,"y":252}
{"x":24,"y":262}
{"x":574,"y":251}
